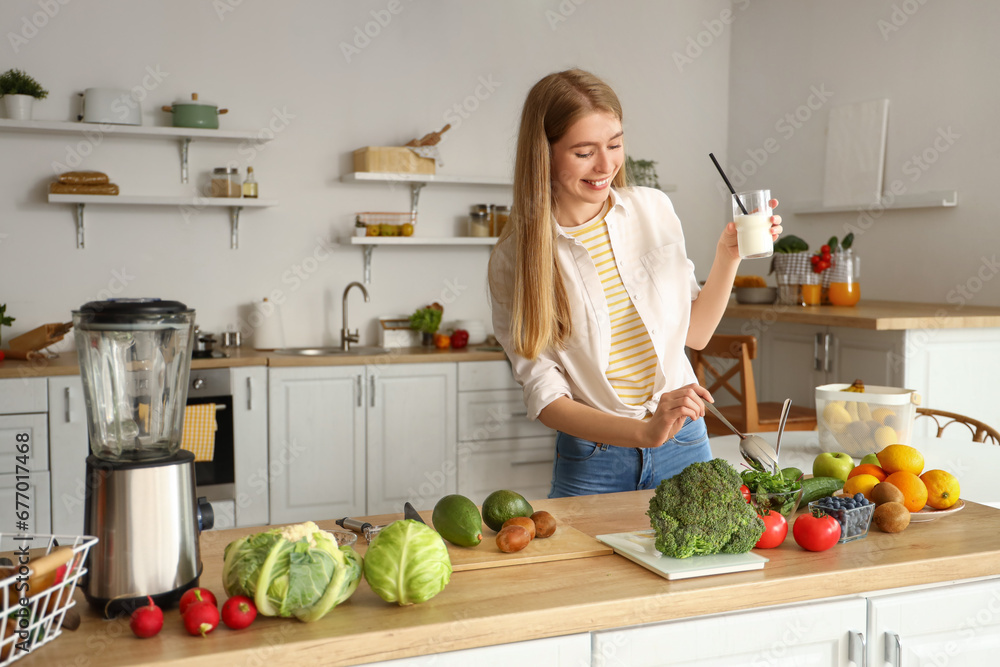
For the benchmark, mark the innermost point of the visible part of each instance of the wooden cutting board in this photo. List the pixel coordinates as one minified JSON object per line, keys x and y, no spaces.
{"x":565,"y":544}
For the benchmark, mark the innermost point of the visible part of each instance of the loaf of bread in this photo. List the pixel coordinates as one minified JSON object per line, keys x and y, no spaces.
{"x":70,"y":189}
{"x":84,"y":178}
{"x":749,"y":281}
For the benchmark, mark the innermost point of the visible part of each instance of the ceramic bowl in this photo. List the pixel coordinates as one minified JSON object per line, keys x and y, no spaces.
{"x":756,"y":294}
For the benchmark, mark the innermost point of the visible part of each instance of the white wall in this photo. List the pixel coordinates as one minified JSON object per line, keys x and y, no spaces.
{"x":935,"y":62}
{"x":265,"y":60}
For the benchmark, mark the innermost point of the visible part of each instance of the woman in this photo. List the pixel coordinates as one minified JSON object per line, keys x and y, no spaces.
{"x":594,"y":298}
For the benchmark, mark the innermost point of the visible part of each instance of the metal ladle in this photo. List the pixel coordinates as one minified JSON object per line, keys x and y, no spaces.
{"x":755,"y":450}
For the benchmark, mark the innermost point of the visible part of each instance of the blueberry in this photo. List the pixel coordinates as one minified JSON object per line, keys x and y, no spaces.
{"x":859,"y":497}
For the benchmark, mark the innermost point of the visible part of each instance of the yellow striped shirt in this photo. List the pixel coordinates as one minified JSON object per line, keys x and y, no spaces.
{"x":632,"y":364}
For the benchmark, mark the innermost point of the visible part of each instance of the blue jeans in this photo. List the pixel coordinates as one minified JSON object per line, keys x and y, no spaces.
{"x":583,"y":467}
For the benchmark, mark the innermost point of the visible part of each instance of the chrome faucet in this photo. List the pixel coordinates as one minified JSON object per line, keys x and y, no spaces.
{"x":346,"y":336}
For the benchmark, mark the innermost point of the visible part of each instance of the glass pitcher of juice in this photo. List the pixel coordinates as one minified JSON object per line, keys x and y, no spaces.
{"x":844,"y":287}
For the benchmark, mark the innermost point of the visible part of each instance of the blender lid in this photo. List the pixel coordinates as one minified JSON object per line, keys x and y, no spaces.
{"x":115,"y":311}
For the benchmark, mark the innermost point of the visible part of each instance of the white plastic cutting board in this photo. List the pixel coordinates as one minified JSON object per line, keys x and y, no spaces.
{"x":638,"y":547}
{"x":855,"y":153}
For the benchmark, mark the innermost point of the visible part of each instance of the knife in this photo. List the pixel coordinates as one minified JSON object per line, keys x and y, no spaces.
{"x":363,"y":527}
{"x":410,"y":512}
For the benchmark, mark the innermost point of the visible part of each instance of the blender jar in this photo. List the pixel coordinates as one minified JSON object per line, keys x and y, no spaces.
{"x":135,"y":359}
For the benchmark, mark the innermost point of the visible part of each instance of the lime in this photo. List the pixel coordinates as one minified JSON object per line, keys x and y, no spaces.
{"x":502,"y":505}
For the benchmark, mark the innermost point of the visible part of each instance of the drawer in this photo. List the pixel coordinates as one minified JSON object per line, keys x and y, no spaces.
{"x":36,"y":426}
{"x":18,"y":396}
{"x":481,"y":375}
{"x":522,"y":465}
{"x":494,"y":415}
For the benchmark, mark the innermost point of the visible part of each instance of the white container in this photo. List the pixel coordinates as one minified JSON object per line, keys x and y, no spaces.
{"x":394,"y":331}
{"x":476,"y":329}
{"x":19,"y":106}
{"x":268,"y":327}
{"x":859,"y":424}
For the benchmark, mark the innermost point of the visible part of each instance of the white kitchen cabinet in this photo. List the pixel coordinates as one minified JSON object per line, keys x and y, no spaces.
{"x":249,"y":387}
{"x":24,"y":473}
{"x":410,"y":435}
{"x":568,"y":651}
{"x":820,"y":633}
{"x":69,"y":447}
{"x":316,"y":443}
{"x":950,"y":625}
{"x":499,"y":447}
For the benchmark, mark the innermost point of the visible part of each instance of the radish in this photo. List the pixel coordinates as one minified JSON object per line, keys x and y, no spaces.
{"x":238,"y":612}
{"x":146,"y":621}
{"x":196,"y":595}
{"x":201,"y":618}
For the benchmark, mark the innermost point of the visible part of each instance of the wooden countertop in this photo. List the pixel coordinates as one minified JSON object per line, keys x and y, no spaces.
{"x":876,"y":315}
{"x":508,"y":604}
{"x":66,"y":363}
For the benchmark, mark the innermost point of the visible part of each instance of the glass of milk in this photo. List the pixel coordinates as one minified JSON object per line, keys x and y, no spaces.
{"x":753,"y":229}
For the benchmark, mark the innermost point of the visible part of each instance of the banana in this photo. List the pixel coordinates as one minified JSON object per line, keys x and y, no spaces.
{"x":852,"y":410}
{"x":864,"y":411}
{"x":858,"y":387}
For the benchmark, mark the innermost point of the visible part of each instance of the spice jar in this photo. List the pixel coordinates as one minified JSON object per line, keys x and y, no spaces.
{"x":501,"y":215}
{"x":479,"y":224}
{"x":226,"y":182}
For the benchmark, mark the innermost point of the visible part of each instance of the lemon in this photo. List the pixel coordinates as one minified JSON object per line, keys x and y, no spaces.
{"x":834,"y":414}
{"x":885,"y":436}
{"x":880,"y":414}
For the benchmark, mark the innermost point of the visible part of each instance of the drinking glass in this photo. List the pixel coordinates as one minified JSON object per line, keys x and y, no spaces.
{"x":753,"y":228}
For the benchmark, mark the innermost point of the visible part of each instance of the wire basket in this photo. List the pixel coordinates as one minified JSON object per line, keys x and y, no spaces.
{"x":387,"y":224}
{"x":29,"y":623}
{"x":860,"y":424}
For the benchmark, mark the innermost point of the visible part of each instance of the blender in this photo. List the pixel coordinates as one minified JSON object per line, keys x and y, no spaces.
{"x":141,"y":502}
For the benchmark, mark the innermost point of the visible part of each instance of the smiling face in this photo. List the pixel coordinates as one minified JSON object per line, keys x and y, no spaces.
{"x":584,"y":163}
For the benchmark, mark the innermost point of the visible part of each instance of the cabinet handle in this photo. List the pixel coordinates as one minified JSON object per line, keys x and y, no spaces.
{"x":827,"y":363}
{"x":69,"y":416}
{"x":855,"y":649}
{"x":893,"y":648}
{"x":371,"y":386}
{"x":359,"y":390}
{"x":249,"y":394}
{"x":817,"y":364}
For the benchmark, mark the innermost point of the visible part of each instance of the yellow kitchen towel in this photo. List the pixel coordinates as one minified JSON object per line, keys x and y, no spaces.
{"x":199,"y":431}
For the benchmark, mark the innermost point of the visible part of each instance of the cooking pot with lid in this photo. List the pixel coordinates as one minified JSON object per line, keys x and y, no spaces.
{"x":192,"y":113}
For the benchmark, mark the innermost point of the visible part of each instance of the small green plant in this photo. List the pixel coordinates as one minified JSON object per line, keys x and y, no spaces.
{"x":17,"y":82}
{"x":427,"y":320}
{"x":641,"y":172}
{"x":5,"y":321}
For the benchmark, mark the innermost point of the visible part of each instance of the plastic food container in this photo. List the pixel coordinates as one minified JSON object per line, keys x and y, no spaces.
{"x":854,"y":523}
{"x":387,"y":224}
{"x":859,"y":424}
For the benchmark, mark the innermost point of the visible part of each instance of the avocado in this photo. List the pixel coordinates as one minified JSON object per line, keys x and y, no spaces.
{"x":457,"y":519}
{"x":502,"y":505}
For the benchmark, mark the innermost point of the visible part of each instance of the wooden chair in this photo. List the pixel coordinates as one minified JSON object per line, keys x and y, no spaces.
{"x":980,"y":431}
{"x":728,"y":356}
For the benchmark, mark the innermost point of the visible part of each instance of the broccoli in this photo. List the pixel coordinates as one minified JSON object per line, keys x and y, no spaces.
{"x":700,"y":511}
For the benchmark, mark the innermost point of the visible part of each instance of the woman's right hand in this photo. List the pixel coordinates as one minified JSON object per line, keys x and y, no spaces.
{"x":673,"y":408}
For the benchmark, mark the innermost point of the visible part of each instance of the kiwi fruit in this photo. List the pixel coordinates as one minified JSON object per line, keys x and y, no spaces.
{"x":883,"y":493}
{"x":891,"y":517}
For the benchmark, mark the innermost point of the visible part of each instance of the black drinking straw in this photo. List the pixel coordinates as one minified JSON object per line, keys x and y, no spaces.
{"x":723,"y":174}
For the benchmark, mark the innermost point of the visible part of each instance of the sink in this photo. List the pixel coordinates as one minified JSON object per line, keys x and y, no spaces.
{"x":355,"y":351}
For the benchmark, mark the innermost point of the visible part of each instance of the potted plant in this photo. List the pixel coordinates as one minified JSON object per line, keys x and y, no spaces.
{"x":642,"y":172}
{"x":426,"y":321}
{"x":5,"y":320}
{"x":19,"y":91}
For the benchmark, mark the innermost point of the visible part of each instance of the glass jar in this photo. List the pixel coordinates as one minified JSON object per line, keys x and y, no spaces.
{"x":845,"y":271}
{"x":479,"y":224}
{"x":226,"y":182}
{"x":501,"y":215}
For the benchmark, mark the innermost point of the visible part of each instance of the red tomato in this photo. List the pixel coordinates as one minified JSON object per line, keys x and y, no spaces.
{"x":775,"y":530}
{"x":745,"y":490}
{"x":825,"y":249}
{"x":816,"y":533}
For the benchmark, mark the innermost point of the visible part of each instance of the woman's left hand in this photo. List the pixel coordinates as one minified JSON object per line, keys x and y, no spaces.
{"x":728,"y":239}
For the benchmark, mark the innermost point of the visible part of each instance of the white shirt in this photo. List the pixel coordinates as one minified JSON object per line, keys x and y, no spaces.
{"x":648,"y":245}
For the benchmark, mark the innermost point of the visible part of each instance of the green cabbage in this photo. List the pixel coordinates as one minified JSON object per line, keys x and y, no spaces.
{"x":295,"y":571}
{"x":407,"y":562}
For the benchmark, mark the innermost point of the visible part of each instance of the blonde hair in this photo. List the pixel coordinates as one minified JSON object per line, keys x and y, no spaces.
{"x":539,"y":308}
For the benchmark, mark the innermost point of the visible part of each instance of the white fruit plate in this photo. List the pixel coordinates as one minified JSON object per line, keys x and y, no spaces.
{"x":929,"y":514}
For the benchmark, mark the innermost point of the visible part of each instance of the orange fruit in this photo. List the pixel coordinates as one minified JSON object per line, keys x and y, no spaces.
{"x":913,"y":488}
{"x":868,"y":469}
{"x":862,"y":484}
{"x":942,"y":489}
{"x":895,"y":458}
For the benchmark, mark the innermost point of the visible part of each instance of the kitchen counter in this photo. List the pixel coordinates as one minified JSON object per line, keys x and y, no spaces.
{"x":511,"y":604}
{"x":66,"y":363}
{"x":875,"y":315}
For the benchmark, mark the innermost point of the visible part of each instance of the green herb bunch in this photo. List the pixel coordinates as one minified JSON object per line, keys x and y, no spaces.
{"x":426,"y":320}
{"x":17,"y":82}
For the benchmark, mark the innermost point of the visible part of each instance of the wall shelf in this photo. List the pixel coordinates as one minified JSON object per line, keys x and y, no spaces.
{"x":184,"y":135}
{"x":936,"y":199}
{"x":235,"y":206}
{"x":368,"y":244}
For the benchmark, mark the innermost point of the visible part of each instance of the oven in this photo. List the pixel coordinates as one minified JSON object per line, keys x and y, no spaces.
{"x":215,"y":479}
